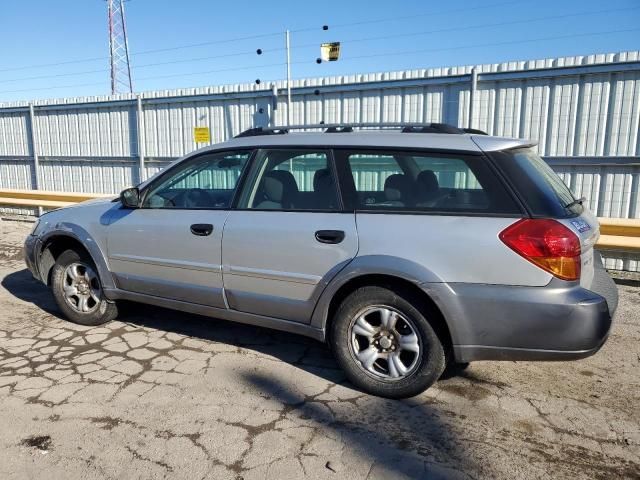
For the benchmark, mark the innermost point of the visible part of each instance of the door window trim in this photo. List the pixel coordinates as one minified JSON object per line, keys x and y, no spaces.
{"x":194,"y":158}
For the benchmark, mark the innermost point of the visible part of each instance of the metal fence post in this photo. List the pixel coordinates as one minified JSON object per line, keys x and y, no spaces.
{"x":140,"y":138}
{"x":472,"y":95}
{"x":34,"y":151}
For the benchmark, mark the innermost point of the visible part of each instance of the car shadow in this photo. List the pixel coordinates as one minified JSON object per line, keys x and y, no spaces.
{"x":300,"y":351}
{"x":22,"y":285}
{"x":416,"y":438}
{"x":413,"y":438}
{"x":303,"y":352}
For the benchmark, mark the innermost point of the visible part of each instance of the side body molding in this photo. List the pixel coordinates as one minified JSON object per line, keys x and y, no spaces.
{"x":371,"y":265}
{"x":76,"y":232}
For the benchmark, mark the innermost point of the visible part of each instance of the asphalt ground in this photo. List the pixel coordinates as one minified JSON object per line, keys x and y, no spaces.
{"x":164,"y":394}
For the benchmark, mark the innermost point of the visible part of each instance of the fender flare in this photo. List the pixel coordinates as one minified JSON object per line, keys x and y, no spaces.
{"x":79,"y":234}
{"x":373,"y":265}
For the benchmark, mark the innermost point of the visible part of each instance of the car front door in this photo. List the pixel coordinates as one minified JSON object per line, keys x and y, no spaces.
{"x":288,"y":235}
{"x":170,"y":247}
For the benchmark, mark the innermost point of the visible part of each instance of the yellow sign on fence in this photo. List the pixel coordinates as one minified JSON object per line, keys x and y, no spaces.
{"x":201,"y":134}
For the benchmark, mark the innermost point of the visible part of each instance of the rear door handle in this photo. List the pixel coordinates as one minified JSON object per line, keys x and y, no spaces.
{"x":330,"y":236}
{"x":201,"y":229}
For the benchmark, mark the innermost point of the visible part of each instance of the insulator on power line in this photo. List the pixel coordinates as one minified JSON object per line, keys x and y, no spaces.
{"x":259,"y":51}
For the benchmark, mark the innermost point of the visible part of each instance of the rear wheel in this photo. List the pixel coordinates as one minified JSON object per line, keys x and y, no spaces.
{"x":78,"y":292}
{"x":385,"y":344}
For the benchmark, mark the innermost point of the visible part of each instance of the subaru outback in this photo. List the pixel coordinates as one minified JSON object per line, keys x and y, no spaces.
{"x":404,"y":247}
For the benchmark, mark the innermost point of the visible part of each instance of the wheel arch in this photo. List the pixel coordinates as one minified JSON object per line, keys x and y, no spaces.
{"x":394,"y":273}
{"x":56,"y":242}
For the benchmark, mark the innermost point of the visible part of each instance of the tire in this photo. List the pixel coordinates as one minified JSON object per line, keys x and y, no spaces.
{"x":354,"y":344}
{"x":96,"y":310}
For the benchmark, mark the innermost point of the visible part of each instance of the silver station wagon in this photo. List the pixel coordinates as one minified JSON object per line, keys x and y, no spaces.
{"x":404,"y":247}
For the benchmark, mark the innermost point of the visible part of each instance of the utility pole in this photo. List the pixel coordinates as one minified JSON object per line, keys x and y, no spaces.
{"x":472,"y":96}
{"x":118,"y":49}
{"x":288,"y":48}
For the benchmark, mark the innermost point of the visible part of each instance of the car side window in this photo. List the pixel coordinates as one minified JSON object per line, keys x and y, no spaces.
{"x":426,"y":182}
{"x":207,"y":181}
{"x":291,"y":179}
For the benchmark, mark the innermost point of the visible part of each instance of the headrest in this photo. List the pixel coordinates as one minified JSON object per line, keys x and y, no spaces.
{"x":397,"y":187}
{"x":279,"y":185}
{"x":321,"y":179}
{"x":428,"y":181}
{"x":272,"y":187}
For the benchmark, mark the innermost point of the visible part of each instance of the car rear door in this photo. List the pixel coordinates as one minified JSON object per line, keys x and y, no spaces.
{"x":171,"y":246}
{"x":288,"y":235}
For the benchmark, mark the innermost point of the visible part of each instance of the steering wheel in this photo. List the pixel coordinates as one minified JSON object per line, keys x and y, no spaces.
{"x":197,"y":198}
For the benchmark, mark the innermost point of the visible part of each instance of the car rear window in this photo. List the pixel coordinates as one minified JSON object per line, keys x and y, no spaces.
{"x":541,"y":189}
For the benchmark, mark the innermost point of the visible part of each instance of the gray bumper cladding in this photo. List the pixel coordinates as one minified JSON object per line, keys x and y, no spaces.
{"x":532,"y":323}
{"x":604,"y":285}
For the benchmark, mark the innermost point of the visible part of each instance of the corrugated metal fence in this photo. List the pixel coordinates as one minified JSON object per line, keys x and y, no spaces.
{"x":584,"y":111}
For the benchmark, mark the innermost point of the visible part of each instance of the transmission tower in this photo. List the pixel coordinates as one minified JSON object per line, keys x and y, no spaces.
{"x":119,"y":49}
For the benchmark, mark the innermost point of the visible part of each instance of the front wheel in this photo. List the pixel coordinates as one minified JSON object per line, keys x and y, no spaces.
{"x":78,"y":292}
{"x":385,"y":344}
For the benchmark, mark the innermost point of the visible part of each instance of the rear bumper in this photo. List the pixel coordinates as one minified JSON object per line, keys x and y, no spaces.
{"x":561,"y":321}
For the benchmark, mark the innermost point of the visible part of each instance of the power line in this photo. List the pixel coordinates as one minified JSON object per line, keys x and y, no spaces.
{"x":268,"y":65}
{"x":144,"y":52}
{"x":406,"y":52}
{"x":429,"y":14}
{"x":171,"y":75}
{"x":147,"y":65}
{"x":355,"y":40}
{"x":494,"y":44}
{"x":485,"y":25}
{"x":257,"y":36}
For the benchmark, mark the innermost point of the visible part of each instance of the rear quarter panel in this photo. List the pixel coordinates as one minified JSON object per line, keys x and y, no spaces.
{"x":455,"y":249}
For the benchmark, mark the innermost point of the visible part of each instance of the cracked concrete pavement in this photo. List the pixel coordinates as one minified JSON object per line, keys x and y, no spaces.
{"x":163,"y":394}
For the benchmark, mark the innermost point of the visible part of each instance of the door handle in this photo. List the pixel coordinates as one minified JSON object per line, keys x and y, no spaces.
{"x":329,"y":236}
{"x":201,"y":229}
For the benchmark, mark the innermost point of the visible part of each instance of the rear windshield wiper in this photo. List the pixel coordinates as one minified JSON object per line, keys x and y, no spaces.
{"x":577,"y":201}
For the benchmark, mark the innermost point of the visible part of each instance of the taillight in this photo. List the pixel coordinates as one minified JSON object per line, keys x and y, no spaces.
{"x":547,"y":244}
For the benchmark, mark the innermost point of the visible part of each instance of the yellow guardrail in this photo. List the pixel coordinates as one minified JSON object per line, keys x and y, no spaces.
{"x":44,"y":198}
{"x":615,"y":233}
{"x":621,"y":234}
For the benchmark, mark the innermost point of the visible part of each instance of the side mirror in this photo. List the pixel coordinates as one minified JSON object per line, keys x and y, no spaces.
{"x":130,"y":197}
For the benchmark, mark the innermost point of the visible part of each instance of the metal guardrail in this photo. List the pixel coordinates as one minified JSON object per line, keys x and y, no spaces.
{"x":45,"y":199}
{"x":621,"y":234}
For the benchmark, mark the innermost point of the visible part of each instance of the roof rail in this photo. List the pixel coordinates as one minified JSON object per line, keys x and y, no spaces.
{"x":433,"y":128}
{"x":475,"y":131}
{"x":253,"y":132}
{"x":349,"y":127}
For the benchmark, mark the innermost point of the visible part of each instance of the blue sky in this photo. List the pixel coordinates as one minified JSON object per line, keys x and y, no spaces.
{"x":376,"y":36}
